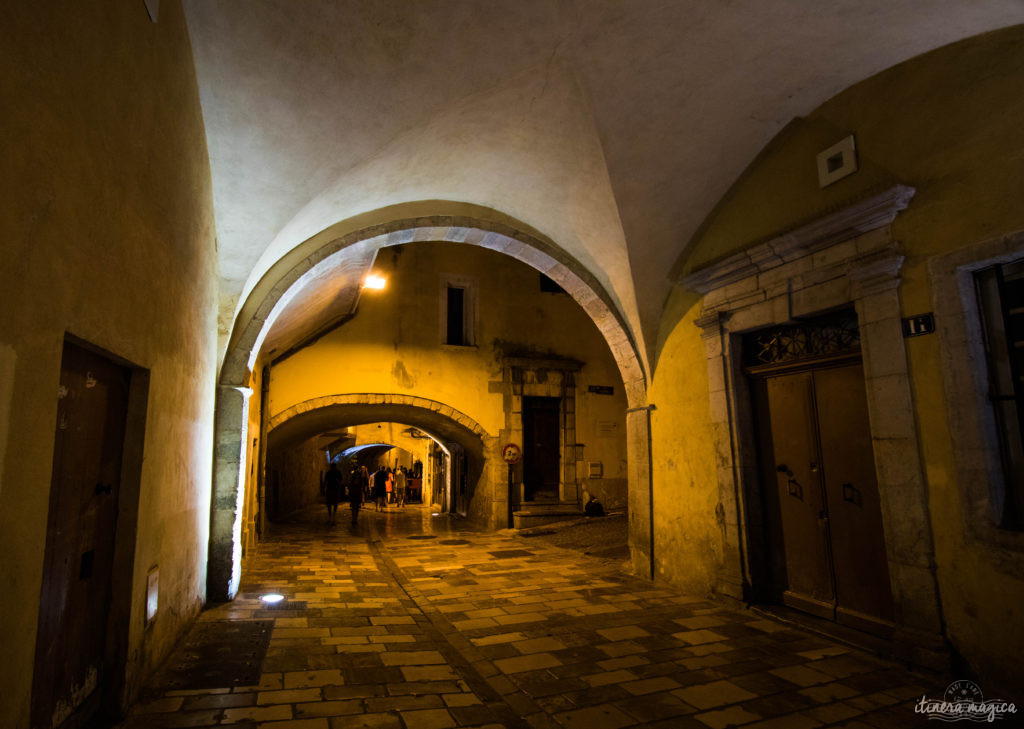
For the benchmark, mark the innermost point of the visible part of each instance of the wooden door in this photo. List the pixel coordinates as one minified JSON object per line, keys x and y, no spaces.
{"x":824,"y":510}
{"x":541,"y":446}
{"x":855,"y":513}
{"x":71,"y":667}
{"x":800,"y":495}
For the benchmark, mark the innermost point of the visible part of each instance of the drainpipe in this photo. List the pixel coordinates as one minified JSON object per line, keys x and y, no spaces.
{"x":650,"y":480}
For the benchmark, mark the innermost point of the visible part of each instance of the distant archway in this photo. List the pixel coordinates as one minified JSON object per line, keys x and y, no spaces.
{"x":325,"y":250}
{"x":335,"y":411}
{"x":451,"y":429}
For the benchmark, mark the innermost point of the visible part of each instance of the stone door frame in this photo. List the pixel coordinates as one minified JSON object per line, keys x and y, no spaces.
{"x":542,"y":377}
{"x":847,"y":258}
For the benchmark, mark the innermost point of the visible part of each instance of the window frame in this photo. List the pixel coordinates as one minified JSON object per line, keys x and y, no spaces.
{"x":973,"y":433}
{"x":1005,"y":391}
{"x":470,"y":299}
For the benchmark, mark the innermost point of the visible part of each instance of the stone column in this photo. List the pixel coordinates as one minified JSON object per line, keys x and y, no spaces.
{"x":231,"y":420}
{"x":641,"y":490}
{"x":901,"y":487}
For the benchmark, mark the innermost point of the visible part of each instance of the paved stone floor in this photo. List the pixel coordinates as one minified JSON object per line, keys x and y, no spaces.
{"x":416,"y":621}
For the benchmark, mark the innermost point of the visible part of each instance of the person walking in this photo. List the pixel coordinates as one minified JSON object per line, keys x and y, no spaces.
{"x":356,"y":484}
{"x":401,"y":483}
{"x":365,"y":482}
{"x":380,"y":485}
{"x":332,"y":492}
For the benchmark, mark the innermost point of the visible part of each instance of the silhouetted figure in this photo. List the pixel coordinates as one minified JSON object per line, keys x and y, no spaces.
{"x":401,"y":483}
{"x":380,"y":487}
{"x":366,"y":480}
{"x":593,"y":507}
{"x":356,"y":484}
{"x":332,"y":491}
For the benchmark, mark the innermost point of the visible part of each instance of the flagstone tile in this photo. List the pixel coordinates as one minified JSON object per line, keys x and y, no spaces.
{"x":374,"y":620}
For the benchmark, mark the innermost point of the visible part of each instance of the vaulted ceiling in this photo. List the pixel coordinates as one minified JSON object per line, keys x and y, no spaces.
{"x":611,"y":127}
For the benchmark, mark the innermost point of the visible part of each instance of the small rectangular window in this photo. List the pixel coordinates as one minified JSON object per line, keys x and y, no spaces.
{"x":1001,"y":301}
{"x":456,"y":324}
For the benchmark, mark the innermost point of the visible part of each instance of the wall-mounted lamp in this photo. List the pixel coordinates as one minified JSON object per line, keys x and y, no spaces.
{"x":373,"y":281}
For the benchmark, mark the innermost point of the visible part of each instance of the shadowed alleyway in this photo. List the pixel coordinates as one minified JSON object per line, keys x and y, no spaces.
{"x":414,"y":621}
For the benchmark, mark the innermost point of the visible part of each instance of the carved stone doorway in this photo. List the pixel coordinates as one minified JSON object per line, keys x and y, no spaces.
{"x":823,"y":521}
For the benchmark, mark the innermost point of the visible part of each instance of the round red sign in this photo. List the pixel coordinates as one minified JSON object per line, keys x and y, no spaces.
{"x":511,"y":453}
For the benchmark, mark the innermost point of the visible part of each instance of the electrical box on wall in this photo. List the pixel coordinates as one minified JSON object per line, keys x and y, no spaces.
{"x":837,"y":161}
{"x":594,"y":469}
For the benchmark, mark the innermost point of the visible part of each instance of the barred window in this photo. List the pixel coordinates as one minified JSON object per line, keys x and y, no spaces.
{"x":1001,"y":302}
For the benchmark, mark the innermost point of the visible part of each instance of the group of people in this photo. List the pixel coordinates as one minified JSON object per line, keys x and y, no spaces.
{"x":383,"y":486}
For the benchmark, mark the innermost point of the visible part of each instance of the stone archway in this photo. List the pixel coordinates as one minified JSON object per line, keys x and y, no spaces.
{"x":320,"y":253}
{"x":441,"y":422}
{"x":272,"y":292}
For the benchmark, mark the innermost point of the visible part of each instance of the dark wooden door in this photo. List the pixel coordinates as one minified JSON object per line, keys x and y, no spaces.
{"x":801,"y":498}
{"x":824,"y":509}
{"x":541,"y":431}
{"x":75,"y":600}
{"x":863,"y":595}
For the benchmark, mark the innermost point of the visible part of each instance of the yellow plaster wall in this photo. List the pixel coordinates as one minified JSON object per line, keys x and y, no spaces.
{"x":688,"y":540}
{"x":107,"y":233}
{"x":949,"y":124}
{"x":393,"y":345}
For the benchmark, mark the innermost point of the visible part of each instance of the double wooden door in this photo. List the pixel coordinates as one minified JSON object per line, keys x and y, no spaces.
{"x":823,"y":517}
{"x":73,"y":664}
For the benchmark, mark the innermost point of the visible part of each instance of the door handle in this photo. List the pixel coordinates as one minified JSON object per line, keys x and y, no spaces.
{"x":792,"y":485}
{"x":852,"y":494}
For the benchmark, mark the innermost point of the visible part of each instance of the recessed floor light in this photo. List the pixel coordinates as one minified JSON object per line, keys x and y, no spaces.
{"x":272,"y":598}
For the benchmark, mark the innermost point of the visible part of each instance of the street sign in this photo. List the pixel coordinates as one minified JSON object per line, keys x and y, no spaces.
{"x":511,"y":453}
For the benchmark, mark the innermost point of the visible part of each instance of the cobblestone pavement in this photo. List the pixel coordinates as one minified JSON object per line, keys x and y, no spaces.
{"x":416,"y":621}
{"x":603,"y":537}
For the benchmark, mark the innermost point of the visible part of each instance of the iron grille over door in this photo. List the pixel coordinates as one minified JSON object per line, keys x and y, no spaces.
{"x":824,"y":336}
